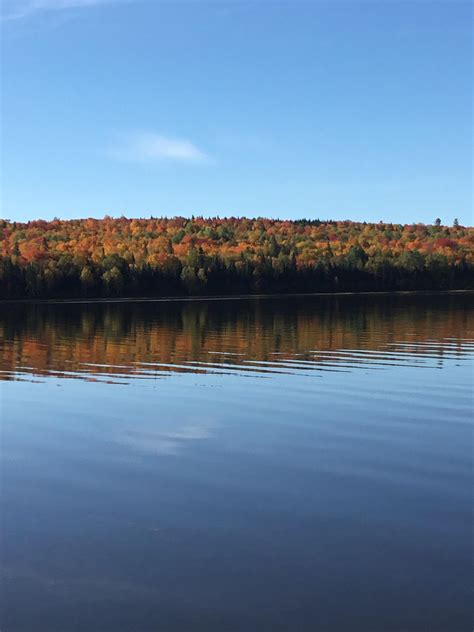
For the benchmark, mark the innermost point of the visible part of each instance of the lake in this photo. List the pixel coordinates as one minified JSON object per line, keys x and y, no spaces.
{"x":297,"y":464}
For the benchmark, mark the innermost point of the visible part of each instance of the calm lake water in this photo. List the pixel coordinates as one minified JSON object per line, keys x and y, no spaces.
{"x":297,"y":464}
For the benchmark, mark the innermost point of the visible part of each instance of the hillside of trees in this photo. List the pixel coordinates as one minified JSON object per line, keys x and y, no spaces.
{"x":178,"y":257}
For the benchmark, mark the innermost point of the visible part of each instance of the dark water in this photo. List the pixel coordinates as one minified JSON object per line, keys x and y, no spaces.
{"x":255,"y":465}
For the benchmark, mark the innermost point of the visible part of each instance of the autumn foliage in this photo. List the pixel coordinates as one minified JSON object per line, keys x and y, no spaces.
{"x":179,"y":256}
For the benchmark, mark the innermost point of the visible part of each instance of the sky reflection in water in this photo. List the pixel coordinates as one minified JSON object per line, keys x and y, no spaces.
{"x":280,"y":464}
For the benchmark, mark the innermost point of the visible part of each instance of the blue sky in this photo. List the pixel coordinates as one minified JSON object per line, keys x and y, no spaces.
{"x":358,"y":110}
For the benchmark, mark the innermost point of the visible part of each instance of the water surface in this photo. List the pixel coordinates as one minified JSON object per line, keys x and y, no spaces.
{"x":270,"y":464}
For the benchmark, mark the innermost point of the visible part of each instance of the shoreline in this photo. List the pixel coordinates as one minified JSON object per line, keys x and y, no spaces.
{"x":224,"y":297}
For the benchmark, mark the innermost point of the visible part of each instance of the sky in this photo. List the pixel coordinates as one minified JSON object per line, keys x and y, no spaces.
{"x":332,"y":110}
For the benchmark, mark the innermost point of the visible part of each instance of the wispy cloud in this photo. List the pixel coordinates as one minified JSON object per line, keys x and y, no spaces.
{"x":17,"y":9}
{"x":151,"y":147}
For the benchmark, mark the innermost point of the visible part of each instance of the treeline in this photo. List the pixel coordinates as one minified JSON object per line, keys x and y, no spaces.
{"x":178,"y":256}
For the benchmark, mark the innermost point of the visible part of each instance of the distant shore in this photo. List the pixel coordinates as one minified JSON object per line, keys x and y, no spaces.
{"x":227,"y":297}
{"x":189,"y":259}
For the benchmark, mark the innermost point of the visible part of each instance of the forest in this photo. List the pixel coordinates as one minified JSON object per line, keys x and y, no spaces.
{"x":120,"y":257}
